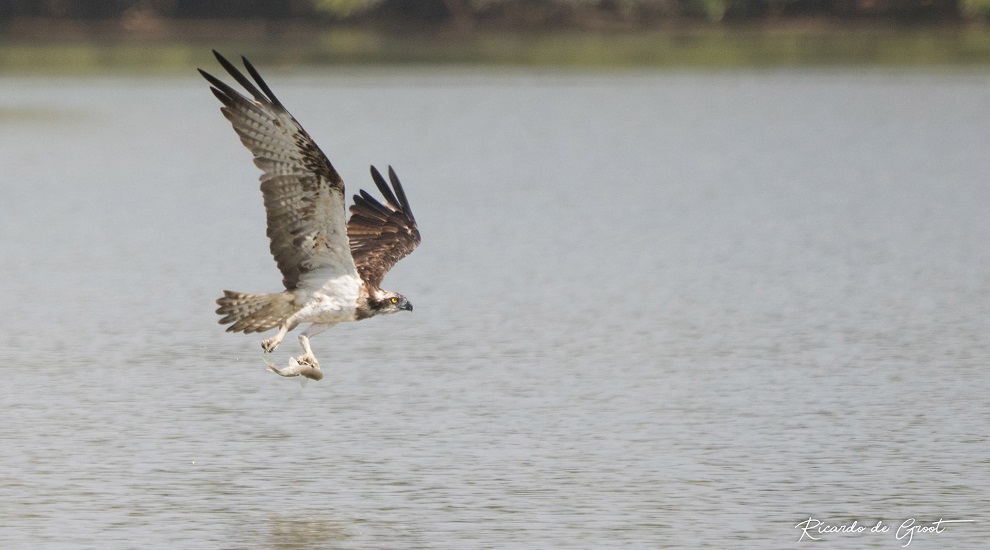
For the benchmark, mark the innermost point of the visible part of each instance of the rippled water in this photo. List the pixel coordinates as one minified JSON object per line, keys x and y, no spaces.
{"x":652,"y":310}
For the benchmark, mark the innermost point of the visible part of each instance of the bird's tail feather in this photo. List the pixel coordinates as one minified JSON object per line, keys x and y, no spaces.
{"x":254,"y":312}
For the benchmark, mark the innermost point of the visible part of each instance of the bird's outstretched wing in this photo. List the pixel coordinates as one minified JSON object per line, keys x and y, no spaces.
{"x":381,"y":234}
{"x":304,"y":195}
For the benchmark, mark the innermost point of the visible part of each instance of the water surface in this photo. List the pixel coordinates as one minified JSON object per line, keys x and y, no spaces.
{"x":652,"y":310}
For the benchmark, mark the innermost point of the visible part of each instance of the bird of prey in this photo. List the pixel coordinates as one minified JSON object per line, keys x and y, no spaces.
{"x":332,"y":268}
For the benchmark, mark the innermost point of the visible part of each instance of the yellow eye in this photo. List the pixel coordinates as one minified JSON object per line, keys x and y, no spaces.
{"x":394,"y":300}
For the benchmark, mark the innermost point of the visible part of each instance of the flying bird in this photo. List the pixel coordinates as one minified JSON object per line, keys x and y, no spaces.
{"x":332,"y":268}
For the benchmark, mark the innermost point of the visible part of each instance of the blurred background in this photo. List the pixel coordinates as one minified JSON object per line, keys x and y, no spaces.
{"x":162,"y":35}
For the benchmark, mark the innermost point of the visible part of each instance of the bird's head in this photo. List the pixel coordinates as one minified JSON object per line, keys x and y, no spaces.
{"x":391,"y":302}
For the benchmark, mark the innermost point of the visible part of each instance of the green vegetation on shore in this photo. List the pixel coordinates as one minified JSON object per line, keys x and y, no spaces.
{"x":697,"y":48}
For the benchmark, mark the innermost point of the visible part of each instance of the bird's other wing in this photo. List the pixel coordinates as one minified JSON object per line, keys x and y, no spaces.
{"x":304,"y":195}
{"x":381,"y":234}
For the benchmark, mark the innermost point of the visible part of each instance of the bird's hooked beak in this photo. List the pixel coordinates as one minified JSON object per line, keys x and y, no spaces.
{"x":407,"y":306}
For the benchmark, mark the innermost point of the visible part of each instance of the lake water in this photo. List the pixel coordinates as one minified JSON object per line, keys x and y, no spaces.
{"x":685,"y":310}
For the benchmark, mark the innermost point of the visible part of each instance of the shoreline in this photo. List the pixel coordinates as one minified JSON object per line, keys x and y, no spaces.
{"x":77,"y":48}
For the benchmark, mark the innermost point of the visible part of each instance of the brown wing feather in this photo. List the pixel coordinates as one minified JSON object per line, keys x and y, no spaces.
{"x":381,"y":234}
{"x":304,"y":195}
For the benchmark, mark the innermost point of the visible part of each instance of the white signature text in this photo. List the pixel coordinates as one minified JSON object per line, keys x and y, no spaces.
{"x":815,"y":529}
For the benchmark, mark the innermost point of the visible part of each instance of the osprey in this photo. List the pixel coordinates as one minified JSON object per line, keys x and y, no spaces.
{"x":332,"y":268}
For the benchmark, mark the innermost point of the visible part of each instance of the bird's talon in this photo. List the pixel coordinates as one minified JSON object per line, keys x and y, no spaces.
{"x":269,"y":345}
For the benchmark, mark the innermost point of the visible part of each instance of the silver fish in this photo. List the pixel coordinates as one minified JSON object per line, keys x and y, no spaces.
{"x":295,"y":368}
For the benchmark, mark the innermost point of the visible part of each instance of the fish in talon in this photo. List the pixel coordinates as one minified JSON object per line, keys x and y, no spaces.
{"x":296,"y":368}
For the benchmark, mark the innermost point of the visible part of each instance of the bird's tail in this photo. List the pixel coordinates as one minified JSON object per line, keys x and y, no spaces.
{"x":254,"y":312}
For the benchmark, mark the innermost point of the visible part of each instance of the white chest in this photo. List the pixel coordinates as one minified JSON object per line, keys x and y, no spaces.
{"x":334,"y":302}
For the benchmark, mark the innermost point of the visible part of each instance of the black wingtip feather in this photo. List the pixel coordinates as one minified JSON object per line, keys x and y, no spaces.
{"x":261,"y":82}
{"x":399,"y":191}
{"x":223,"y":97}
{"x":383,"y":188}
{"x":240,"y":78}
{"x":222,"y":91}
{"x":366,"y":199}
{"x":214,"y":81}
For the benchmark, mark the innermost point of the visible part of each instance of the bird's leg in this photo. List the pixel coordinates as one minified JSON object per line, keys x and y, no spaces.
{"x":307,"y":356}
{"x":272,"y":343}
